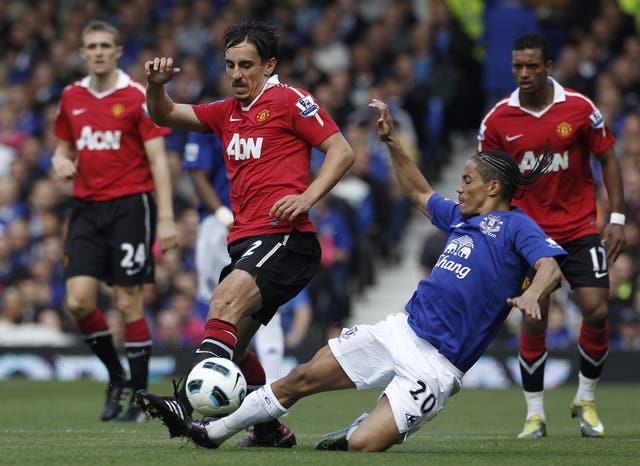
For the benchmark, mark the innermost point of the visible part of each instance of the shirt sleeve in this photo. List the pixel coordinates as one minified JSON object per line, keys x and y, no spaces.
{"x":62,"y":129}
{"x":533,"y":244}
{"x":147,"y":128}
{"x":599,"y":136}
{"x":488,"y":137}
{"x":308,"y":119}
{"x":443,"y":212}
{"x":210,"y":115}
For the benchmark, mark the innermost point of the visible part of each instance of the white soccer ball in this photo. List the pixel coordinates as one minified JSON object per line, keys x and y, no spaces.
{"x":216,"y":386}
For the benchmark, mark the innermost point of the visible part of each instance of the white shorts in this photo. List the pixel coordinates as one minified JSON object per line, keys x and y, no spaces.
{"x":417,"y":379}
{"x":211,"y":255}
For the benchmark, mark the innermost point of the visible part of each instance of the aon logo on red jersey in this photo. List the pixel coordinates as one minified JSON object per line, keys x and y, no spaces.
{"x":98,"y":140}
{"x":560,"y":162}
{"x":242,"y":149}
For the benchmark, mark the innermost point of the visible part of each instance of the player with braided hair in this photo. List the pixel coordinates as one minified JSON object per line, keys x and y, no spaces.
{"x":421,"y":355}
{"x":506,"y":170}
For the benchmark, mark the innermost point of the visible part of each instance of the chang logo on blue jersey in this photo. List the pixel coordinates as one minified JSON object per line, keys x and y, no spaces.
{"x":457,"y":248}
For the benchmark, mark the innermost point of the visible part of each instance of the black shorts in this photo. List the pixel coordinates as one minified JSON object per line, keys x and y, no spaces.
{"x":112,"y":240}
{"x":586,"y":264}
{"x":283,"y":264}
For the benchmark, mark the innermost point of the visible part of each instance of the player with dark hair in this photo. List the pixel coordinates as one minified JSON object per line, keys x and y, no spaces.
{"x":540,"y":111}
{"x":421,"y":356}
{"x":267,"y":131}
{"x":116,"y":156}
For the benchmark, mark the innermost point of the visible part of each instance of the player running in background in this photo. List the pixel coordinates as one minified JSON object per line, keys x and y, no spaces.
{"x":116,"y":156}
{"x":564,"y":205}
{"x":267,"y":131}
{"x":421,"y":356}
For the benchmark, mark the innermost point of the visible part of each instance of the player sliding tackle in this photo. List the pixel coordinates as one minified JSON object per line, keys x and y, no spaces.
{"x":420,"y":356}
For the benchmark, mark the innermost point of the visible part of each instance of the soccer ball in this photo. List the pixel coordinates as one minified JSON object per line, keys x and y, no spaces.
{"x":216,"y":386}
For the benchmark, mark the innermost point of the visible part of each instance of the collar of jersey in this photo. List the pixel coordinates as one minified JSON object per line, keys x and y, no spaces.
{"x":558,"y":96}
{"x":122,"y":82}
{"x":271,"y":82}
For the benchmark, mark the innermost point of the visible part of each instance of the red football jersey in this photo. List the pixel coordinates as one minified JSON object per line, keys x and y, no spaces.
{"x":562,"y":201}
{"x":108,"y":130}
{"x":267,"y":150}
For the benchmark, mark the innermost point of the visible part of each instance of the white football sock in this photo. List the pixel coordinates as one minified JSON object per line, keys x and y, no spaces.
{"x":259,"y":406}
{"x":535,"y":404}
{"x":586,"y":388}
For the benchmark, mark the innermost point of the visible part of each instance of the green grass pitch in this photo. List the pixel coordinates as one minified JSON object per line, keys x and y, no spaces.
{"x":56,"y":423}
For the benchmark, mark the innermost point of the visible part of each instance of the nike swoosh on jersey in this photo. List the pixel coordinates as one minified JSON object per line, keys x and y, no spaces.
{"x":513,"y":138}
{"x":232,"y":118}
{"x":601,"y":274}
{"x":78,"y":111}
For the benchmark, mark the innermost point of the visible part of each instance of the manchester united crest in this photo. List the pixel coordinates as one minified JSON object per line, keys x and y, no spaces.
{"x":117,"y":109}
{"x":263,"y":115}
{"x":564,"y":129}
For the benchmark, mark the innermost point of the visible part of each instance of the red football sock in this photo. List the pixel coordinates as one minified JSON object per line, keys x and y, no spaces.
{"x":532,"y":346}
{"x":594,"y":341}
{"x":220,"y":338}
{"x":253,"y":371}
{"x":92,"y":323}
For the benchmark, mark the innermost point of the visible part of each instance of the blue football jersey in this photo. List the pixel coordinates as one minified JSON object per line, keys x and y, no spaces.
{"x":204,"y":152}
{"x":460,"y":308}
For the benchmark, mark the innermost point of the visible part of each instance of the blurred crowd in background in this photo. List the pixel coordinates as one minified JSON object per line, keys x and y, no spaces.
{"x":439,"y":65}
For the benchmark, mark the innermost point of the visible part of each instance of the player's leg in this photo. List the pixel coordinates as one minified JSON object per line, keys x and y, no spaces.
{"x":593,"y":346}
{"x":270,"y":402}
{"x":269,"y":347}
{"x":236,"y":294}
{"x":532,"y":358}
{"x":211,"y":255}
{"x":281,"y":277}
{"x":130,"y":235}
{"x":271,"y":433}
{"x":266,"y":271}
{"x":586,"y":271}
{"x":81,"y":304}
{"x":375,"y":432}
{"x":137,"y":344}
{"x":418,"y":379}
{"x":86,"y":259}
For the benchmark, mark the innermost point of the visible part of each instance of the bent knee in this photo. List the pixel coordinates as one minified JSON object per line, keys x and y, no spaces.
{"x":595,"y":316}
{"x":80,"y":307}
{"x":363,"y":443}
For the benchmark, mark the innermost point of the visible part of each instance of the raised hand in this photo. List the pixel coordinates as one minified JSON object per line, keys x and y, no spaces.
{"x":385,"y":123}
{"x":160,"y":70}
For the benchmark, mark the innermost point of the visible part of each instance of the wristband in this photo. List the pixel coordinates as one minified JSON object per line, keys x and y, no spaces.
{"x":223,"y":214}
{"x":617,"y":217}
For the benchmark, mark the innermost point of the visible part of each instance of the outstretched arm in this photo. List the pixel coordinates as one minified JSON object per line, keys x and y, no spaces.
{"x":546,"y":279}
{"x":162,"y":109}
{"x":413,"y":183}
